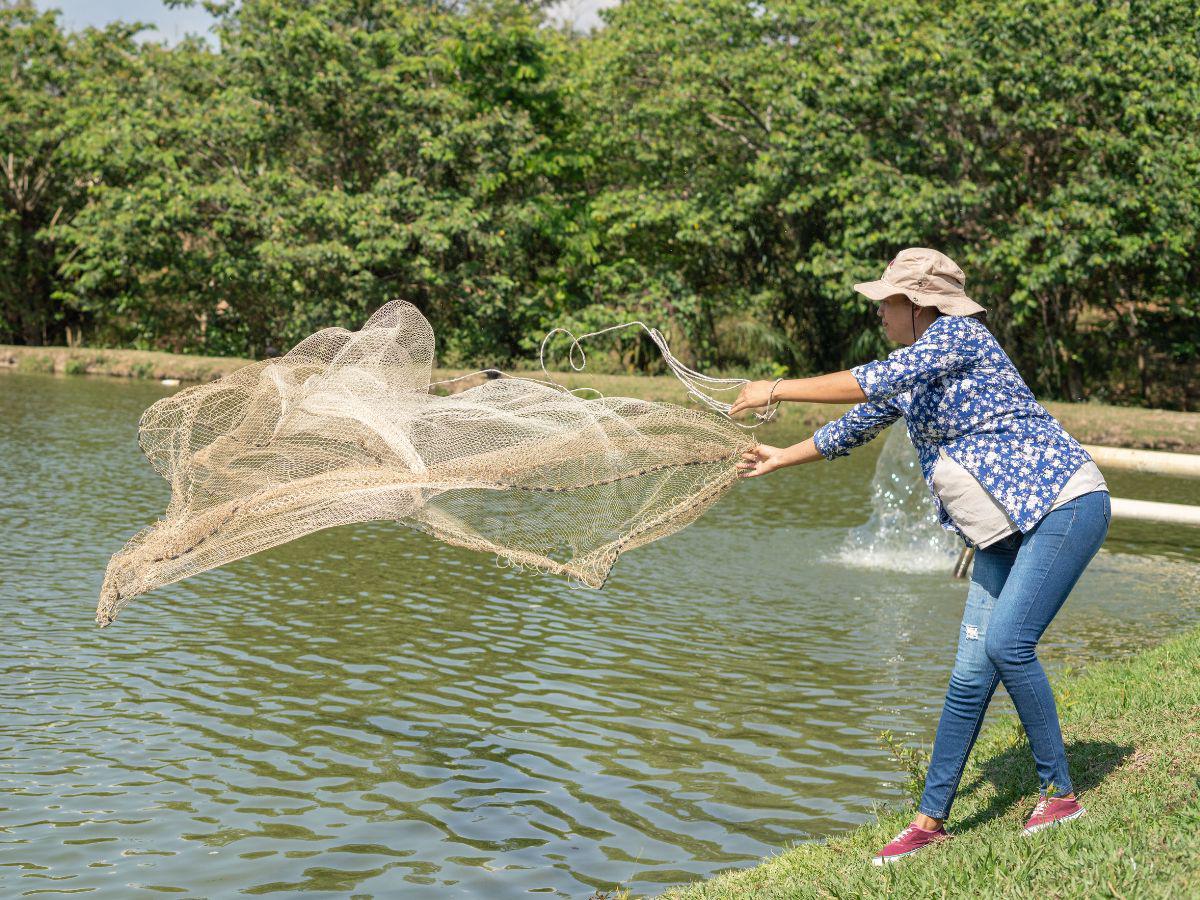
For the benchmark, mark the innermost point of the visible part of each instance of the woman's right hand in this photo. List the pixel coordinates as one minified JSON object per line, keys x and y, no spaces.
{"x":759,"y":460}
{"x":752,"y":395}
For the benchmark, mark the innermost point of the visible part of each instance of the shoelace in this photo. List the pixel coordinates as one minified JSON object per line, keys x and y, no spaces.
{"x":1041,"y":806}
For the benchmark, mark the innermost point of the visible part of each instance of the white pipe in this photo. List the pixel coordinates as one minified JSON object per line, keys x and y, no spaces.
{"x":1156,"y":462}
{"x":1141,"y":510}
{"x":1149,"y":511}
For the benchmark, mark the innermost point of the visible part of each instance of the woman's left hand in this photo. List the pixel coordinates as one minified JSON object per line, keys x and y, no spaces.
{"x":759,"y":460}
{"x":753,"y":394}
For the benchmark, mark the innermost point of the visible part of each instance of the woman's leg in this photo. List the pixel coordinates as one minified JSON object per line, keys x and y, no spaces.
{"x":1050,"y":560}
{"x":972,"y":682}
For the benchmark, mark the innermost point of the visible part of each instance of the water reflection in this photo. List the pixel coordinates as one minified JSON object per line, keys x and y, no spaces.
{"x":368,"y":711}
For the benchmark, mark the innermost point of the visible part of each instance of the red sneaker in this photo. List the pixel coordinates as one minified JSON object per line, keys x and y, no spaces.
{"x":907,"y":842}
{"x":1052,"y":811}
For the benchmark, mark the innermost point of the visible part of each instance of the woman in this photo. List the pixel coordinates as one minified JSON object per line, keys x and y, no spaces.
{"x":1004,"y":475}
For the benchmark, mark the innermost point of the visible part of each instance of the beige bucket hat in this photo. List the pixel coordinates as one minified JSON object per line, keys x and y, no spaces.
{"x":927,"y":278}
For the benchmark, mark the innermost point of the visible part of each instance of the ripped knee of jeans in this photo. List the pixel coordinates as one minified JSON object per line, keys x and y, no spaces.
{"x":971,"y":660}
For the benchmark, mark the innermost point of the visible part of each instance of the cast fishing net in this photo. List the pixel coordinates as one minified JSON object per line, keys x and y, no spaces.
{"x":345,"y":428}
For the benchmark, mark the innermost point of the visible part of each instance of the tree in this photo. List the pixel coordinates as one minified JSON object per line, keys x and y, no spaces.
{"x":41,"y":186}
{"x":335,"y":155}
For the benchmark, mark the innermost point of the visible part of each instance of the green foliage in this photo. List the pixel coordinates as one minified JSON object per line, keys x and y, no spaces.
{"x":32,"y":362}
{"x":724,"y":171}
{"x":784,"y":153}
{"x":332,"y":156}
{"x":47,"y":75}
{"x":913,"y":760}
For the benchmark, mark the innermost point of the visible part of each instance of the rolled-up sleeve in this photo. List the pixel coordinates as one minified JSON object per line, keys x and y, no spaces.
{"x":860,"y":424}
{"x":949,"y":345}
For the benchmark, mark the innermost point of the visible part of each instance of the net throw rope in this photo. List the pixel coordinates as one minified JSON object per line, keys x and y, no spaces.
{"x":344,"y":428}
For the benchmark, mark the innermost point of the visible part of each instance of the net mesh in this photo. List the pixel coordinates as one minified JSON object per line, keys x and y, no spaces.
{"x":345,"y":428}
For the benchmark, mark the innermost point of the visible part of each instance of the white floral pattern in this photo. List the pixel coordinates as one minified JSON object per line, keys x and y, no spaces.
{"x":958,"y":390}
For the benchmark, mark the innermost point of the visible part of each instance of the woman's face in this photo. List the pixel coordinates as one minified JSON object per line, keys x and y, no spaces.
{"x":897,"y":315}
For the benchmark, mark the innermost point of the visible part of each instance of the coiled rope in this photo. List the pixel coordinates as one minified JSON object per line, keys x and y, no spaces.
{"x":698,"y":385}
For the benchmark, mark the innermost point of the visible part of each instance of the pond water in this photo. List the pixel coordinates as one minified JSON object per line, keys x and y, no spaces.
{"x":366,"y":711}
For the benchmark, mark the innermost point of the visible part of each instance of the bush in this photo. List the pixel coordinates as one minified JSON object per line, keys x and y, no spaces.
{"x":35,"y":362}
{"x":913,"y":760}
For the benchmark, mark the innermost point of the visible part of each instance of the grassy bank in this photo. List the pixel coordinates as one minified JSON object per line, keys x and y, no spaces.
{"x":120,"y":363}
{"x":1132,"y":729}
{"x":1091,"y":423}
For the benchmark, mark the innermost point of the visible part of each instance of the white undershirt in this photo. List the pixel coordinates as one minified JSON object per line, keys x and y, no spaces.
{"x":977,"y":514}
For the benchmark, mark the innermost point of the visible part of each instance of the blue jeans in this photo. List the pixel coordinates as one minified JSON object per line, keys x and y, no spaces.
{"x":1017,"y":587}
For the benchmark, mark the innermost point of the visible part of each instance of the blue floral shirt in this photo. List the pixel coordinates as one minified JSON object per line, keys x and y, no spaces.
{"x":957,"y":390}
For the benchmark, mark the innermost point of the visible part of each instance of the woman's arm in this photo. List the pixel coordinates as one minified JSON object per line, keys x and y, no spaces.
{"x":761,"y":459}
{"x":837,"y":387}
{"x":858,"y":425}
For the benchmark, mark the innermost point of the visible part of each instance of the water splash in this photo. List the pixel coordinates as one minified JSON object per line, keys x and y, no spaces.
{"x":902,"y":534}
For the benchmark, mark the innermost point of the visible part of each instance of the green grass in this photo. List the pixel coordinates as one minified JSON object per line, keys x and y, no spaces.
{"x":120,"y":363}
{"x":35,"y":362}
{"x":1132,"y":729}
